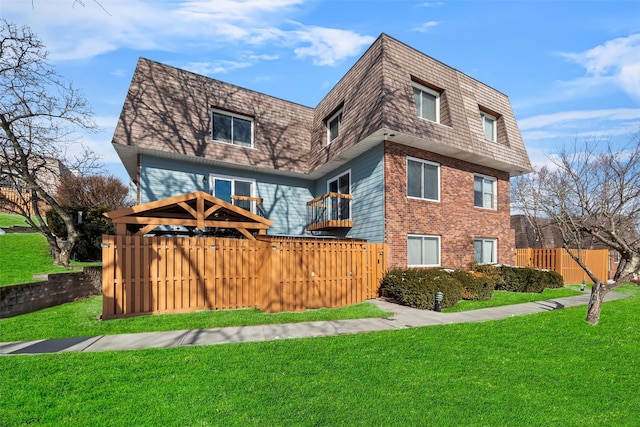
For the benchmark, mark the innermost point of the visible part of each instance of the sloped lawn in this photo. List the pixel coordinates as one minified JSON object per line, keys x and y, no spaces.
{"x":22,"y":256}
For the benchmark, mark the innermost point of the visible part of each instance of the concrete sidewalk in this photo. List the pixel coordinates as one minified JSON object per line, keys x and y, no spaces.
{"x":403,"y":317}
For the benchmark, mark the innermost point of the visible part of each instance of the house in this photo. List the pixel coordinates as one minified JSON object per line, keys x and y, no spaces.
{"x":404,"y":150}
{"x":15,"y":194}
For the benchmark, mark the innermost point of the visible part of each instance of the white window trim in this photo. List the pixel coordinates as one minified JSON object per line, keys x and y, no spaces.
{"x":494,"y":198}
{"x":347,"y":172}
{"x":329,"y":120}
{"x":239,"y":116}
{"x":495,"y":126}
{"x":431,"y":92}
{"x":422,"y":236}
{"x":233,"y":179}
{"x":494,"y":255}
{"x":415,"y":159}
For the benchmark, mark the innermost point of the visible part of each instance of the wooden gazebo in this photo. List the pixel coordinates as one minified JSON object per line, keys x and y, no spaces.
{"x":197,"y":212}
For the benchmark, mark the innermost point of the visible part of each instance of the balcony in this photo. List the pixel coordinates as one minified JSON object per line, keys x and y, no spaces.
{"x":251,"y":204}
{"x":329,"y":212}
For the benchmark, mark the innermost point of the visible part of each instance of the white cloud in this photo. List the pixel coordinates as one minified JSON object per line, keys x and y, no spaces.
{"x":427,"y":26}
{"x":119,"y":72}
{"x":540,"y":157}
{"x":564,"y":117}
{"x":215,"y":67}
{"x":326,"y":46}
{"x":431,"y":4}
{"x":263,"y":57}
{"x":86,"y":32}
{"x":615,"y":60}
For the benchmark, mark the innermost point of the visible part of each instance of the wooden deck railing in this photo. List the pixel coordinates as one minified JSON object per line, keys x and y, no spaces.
{"x":329,"y":211}
{"x":250,"y":204}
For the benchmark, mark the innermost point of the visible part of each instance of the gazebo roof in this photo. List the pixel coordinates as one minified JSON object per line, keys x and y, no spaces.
{"x":198,"y":210}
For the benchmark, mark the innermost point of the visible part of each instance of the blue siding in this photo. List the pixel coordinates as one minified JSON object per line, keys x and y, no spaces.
{"x":284,"y":199}
{"x":367,"y":188}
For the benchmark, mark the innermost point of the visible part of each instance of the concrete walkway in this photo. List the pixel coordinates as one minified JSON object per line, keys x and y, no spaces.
{"x":403,"y":317}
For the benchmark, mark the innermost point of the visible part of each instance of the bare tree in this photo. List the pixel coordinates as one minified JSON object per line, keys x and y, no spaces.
{"x":38,"y":113}
{"x":591,"y":196}
{"x":79,"y":192}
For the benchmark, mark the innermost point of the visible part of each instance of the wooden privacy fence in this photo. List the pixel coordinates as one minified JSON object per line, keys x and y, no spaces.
{"x":146,"y":275}
{"x":559,"y":260}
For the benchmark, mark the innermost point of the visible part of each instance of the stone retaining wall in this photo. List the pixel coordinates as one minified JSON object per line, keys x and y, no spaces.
{"x":58,"y":289}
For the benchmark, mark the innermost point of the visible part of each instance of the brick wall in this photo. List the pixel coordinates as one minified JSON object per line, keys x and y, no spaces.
{"x":454,"y":218}
{"x":59,"y":288}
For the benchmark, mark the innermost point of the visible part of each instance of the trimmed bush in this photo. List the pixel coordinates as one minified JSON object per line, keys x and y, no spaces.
{"x":477,"y":286}
{"x":520,"y":279}
{"x":418,"y":287}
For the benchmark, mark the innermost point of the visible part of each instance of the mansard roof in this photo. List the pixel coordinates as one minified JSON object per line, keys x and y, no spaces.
{"x":167,"y":113}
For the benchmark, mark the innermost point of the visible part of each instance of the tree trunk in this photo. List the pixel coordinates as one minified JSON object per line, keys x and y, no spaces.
{"x":64,"y":253}
{"x":598,"y":291}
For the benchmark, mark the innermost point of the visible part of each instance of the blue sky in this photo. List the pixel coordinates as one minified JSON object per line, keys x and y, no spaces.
{"x":570,"y":68}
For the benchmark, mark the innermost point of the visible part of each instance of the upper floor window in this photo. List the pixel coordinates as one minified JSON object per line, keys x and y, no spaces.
{"x":484,"y":192}
{"x":485,"y":251}
{"x":423,"y":179}
{"x":489,"y":126}
{"x":423,"y":251}
{"x":427,"y":102}
{"x":333,"y":126}
{"x":231,"y":128}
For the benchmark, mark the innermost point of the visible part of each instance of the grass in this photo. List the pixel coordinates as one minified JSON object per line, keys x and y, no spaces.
{"x":501,"y":298}
{"x":22,"y":256}
{"x":549,"y":369}
{"x":9,"y":220}
{"x":79,"y":319}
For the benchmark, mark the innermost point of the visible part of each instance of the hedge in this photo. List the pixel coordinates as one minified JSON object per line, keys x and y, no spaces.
{"x":520,"y":279}
{"x":418,"y":287}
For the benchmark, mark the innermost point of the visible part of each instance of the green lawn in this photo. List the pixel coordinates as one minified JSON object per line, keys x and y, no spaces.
{"x":9,"y":220}
{"x":501,"y":298}
{"x":80,"y":319}
{"x":22,"y":256}
{"x":550,"y":369}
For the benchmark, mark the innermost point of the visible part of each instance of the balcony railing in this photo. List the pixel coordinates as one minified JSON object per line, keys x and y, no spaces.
{"x":251,"y":204}
{"x":329,"y":211}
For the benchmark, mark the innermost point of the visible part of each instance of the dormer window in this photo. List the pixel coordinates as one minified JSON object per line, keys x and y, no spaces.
{"x":333,"y":126}
{"x":427,"y":102}
{"x":231,"y":128}
{"x":489,"y":126}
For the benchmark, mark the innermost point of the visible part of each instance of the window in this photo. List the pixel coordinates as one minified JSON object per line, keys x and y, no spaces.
{"x":231,"y":128}
{"x":484,"y":192}
{"x":485,"y":251}
{"x":333,"y":126}
{"x":423,"y":251}
{"x":224,"y":188}
{"x":427,"y":102}
{"x":616,"y":257}
{"x":423,"y":179}
{"x":489,"y":126}
{"x":341,"y":184}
